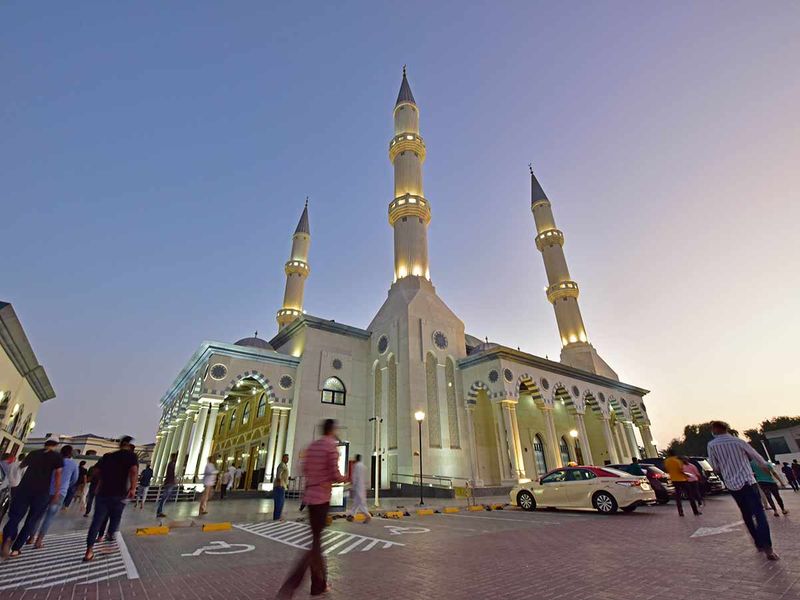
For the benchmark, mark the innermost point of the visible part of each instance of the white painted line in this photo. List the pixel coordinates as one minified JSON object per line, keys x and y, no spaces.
{"x":528,"y":521}
{"x":351,"y":546}
{"x":706,"y":531}
{"x":333,"y":541}
{"x":130,"y":566}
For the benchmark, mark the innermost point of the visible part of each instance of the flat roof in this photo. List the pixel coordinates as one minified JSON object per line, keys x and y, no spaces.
{"x":16,"y":345}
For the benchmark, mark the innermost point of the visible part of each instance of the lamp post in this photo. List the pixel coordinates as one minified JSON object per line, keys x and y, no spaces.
{"x":420,"y":416}
{"x":573,"y":433}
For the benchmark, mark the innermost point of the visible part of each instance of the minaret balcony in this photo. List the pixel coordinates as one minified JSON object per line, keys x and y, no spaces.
{"x":562,"y":289}
{"x":407,"y":142}
{"x":541,"y":203}
{"x":409,"y":206}
{"x":297,"y":266}
{"x":548,"y":238}
{"x":289,"y":312}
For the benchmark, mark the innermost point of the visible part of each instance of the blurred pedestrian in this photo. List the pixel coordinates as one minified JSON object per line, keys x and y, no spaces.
{"x":32,"y":496}
{"x":731,"y":458}
{"x":796,"y":470}
{"x":321,"y":470}
{"x":69,"y":477}
{"x":232,"y":476}
{"x":695,"y":479}
{"x":168,"y":486}
{"x":92,"y":478}
{"x":116,"y":484}
{"x":145,"y":477}
{"x":674,"y":466}
{"x":358,"y":491}
{"x":224,"y":482}
{"x":765,"y":478}
{"x":75,"y":493}
{"x":237,"y":478}
{"x":209,"y":479}
{"x":13,"y":471}
{"x":790,"y":478}
{"x":279,"y":487}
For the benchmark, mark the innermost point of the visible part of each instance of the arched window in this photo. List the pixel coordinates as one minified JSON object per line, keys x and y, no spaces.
{"x":246,"y":414}
{"x":221,"y":424}
{"x":5,"y":399}
{"x":25,"y":427}
{"x":232,"y":422}
{"x":564,"y":449}
{"x":12,"y":424}
{"x":262,"y":406}
{"x":538,"y":453}
{"x":333,"y":391}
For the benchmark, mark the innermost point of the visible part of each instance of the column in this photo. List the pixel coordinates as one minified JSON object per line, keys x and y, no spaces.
{"x":283,"y":428}
{"x":633,"y":445}
{"x":159,"y":451}
{"x":183,"y":441}
{"x":512,"y":440}
{"x":197,"y":442}
{"x":647,"y":440}
{"x":612,"y":450}
{"x":512,"y":412}
{"x":473,"y":446}
{"x":503,"y":454}
{"x":583,"y":437}
{"x":552,"y":438}
{"x":209,"y":436}
{"x":625,"y":452}
{"x":273,"y":439}
{"x":167,"y":447}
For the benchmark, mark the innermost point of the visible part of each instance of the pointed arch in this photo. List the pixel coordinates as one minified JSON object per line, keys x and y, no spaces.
{"x":526,"y":384}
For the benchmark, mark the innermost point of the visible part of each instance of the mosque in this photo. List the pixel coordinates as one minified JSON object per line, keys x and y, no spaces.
{"x":411,"y":379}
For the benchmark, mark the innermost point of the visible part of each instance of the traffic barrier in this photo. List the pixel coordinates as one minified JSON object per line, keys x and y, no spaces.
{"x":152,"y":530}
{"x":424,"y":511}
{"x":451,"y":509}
{"x":224,"y":526}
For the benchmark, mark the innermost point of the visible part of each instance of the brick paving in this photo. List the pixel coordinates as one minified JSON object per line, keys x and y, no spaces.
{"x":507,"y":554}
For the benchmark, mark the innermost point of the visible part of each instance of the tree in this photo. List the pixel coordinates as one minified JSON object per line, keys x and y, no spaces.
{"x":695,"y":440}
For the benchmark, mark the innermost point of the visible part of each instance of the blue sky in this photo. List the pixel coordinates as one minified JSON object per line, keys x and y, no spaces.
{"x":155,"y":159}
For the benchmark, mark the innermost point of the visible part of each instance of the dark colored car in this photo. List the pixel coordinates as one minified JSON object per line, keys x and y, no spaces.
{"x":659,"y":481}
{"x":711,"y":483}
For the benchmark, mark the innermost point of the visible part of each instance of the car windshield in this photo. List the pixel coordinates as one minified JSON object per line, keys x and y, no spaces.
{"x":704,"y":464}
{"x":617,"y":472}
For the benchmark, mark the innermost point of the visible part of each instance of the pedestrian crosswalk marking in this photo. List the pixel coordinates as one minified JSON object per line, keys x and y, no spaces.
{"x":60,"y":562}
{"x":298,"y":535}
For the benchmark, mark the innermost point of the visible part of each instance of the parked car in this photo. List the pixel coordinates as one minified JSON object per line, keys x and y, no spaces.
{"x":711,"y":483}
{"x":602,"y":488}
{"x":659,"y":480}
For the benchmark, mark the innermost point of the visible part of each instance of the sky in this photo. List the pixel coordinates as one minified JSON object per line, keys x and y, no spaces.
{"x":155,"y":158}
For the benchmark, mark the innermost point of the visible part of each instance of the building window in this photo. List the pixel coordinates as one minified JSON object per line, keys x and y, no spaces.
{"x":778,"y":445}
{"x":221,"y":425}
{"x":232,"y":422}
{"x":538,"y":453}
{"x":262,"y":406}
{"x":333,"y":391}
{"x":246,"y":414}
{"x":563,"y":447}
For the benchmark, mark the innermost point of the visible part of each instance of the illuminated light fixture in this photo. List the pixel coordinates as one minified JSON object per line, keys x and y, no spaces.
{"x":409,"y":137}
{"x":419,"y":415}
{"x":412,"y":200}
{"x":417,"y":271}
{"x":573,"y":433}
{"x":573,"y":338}
{"x":582,"y":336}
{"x":401,"y":202}
{"x":33,"y":424}
{"x":402,"y":272}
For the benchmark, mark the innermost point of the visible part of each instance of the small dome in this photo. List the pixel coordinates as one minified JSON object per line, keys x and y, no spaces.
{"x":254,"y":342}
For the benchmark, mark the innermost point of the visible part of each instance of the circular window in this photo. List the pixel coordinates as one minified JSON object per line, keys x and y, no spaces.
{"x":624,"y":402}
{"x":508,"y":375}
{"x":286,"y":382}
{"x":602,"y":397}
{"x":336,"y":364}
{"x":545,"y":384}
{"x":493,"y":376}
{"x":383,"y":344}
{"x":219,"y":371}
{"x":575,"y":391}
{"x":440,"y":340}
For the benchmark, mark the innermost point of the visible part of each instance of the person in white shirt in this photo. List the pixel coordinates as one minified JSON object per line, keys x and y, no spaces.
{"x":237,"y":478}
{"x":232,"y":481}
{"x":358,"y":491}
{"x":209,"y":480}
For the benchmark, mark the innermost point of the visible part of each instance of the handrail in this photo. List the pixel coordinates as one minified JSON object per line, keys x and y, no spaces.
{"x":438,"y":480}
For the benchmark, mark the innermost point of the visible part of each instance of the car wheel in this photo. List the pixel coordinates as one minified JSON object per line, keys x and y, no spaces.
{"x":525,"y":501}
{"x":604,"y":503}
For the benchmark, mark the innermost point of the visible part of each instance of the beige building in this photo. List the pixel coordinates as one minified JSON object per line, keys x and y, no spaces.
{"x":88,"y":444}
{"x":493,"y":415}
{"x":24,"y":385}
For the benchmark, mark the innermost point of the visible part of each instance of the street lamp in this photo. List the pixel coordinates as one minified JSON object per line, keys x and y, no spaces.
{"x":420,"y":416}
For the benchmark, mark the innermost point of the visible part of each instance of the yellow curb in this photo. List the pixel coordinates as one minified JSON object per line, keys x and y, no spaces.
{"x":424,"y":511}
{"x":497,"y":506}
{"x":359,"y":518}
{"x":225,"y":526}
{"x":451,"y":509}
{"x":393,"y":514}
{"x":476,"y":508}
{"x":152,"y":531}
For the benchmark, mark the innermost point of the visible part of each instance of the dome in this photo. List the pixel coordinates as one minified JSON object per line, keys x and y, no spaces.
{"x":254,"y":342}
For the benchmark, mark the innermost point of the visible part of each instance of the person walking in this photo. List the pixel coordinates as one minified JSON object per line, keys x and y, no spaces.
{"x":796,"y":470}
{"x":69,"y":477}
{"x":13,"y":471}
{"x":731,"y":458}
{"x":790,"y":478}
{"x":145,"y":477}
{"x":358,"y":491}
{"x":237,"y":478}
{"x":168,"y":486}
{"x":766,"y":480}
{"x":232,"y":479}
{"x":32,"y":496}
{"x":321,"y":471}
{"x":224,"y":482}
{"x":92,"y":477}
{"x":693,"y":474}
{"x":76,"y":491}
{"x":209,"y":479}
{"x":675,"y":468}
{"x":116,"y":483}
{"x":279,"y":487}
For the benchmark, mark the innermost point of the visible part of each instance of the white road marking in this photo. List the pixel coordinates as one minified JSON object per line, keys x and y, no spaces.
{"x":298,"y":535}
{"x":706,"y":531}
{"x":59,"y":562}
{"x":528,"y":521}
{"x":221,"y":548}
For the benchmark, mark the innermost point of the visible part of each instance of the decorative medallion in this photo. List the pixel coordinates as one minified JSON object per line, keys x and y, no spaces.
{"x":545,"y":384}
{"x":508,"y":375}
{"x":219,"y":371}
{"x":602,"y":397}
{"x":383,"y":344}
{"x":336,"y":364}
{"x":286,"y":382}
{"x":440,"y":340}
{"x":494,"y":376}
{"x":575,"y":391}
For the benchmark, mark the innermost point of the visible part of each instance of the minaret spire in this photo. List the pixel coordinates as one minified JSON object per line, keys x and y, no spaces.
{"x":409,"y":212}
{"x":562,"y":291}
{"x":297,"y":271}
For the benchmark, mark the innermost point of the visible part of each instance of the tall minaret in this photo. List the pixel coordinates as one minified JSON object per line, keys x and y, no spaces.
{"x":562,"y":291}
{"x":409,"y":212}
{"x":297,"y":270}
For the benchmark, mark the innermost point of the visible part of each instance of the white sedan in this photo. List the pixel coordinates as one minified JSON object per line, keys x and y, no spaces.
{"x":601,"y":488}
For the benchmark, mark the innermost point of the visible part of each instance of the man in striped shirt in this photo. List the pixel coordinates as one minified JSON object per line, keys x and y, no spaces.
{"x":731,"y":457}
{"x":321,"y":471}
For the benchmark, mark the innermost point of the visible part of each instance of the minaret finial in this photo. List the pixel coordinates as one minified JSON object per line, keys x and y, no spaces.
{"x":306,"y":202}
{"x":404,"y":70}
{"x":256,"y":333}
{"x":530,"y":168}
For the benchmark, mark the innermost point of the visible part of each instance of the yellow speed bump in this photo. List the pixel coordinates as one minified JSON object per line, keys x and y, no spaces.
{"x":393,"y":514}
{"x":451,"y":509}
{"x":359,"y":518}
{"x":424,"y":511}
{"x":497,"y":506}
{"x":152,"y":530}
{"x":224,"y":526}
{"x":476,"y":507}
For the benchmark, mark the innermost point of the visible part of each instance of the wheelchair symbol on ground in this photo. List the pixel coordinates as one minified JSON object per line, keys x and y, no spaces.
{"x":396,"y":530}
{"x":219,"y":548}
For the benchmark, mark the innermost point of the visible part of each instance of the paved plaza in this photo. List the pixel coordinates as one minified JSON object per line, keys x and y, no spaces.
{"x":650,"y":554}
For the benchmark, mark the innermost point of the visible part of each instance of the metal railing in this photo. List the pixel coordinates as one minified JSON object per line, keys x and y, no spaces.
{"x":442,"y":481}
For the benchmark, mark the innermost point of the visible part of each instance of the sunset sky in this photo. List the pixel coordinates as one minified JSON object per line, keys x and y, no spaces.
{"x":155,"y":159}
